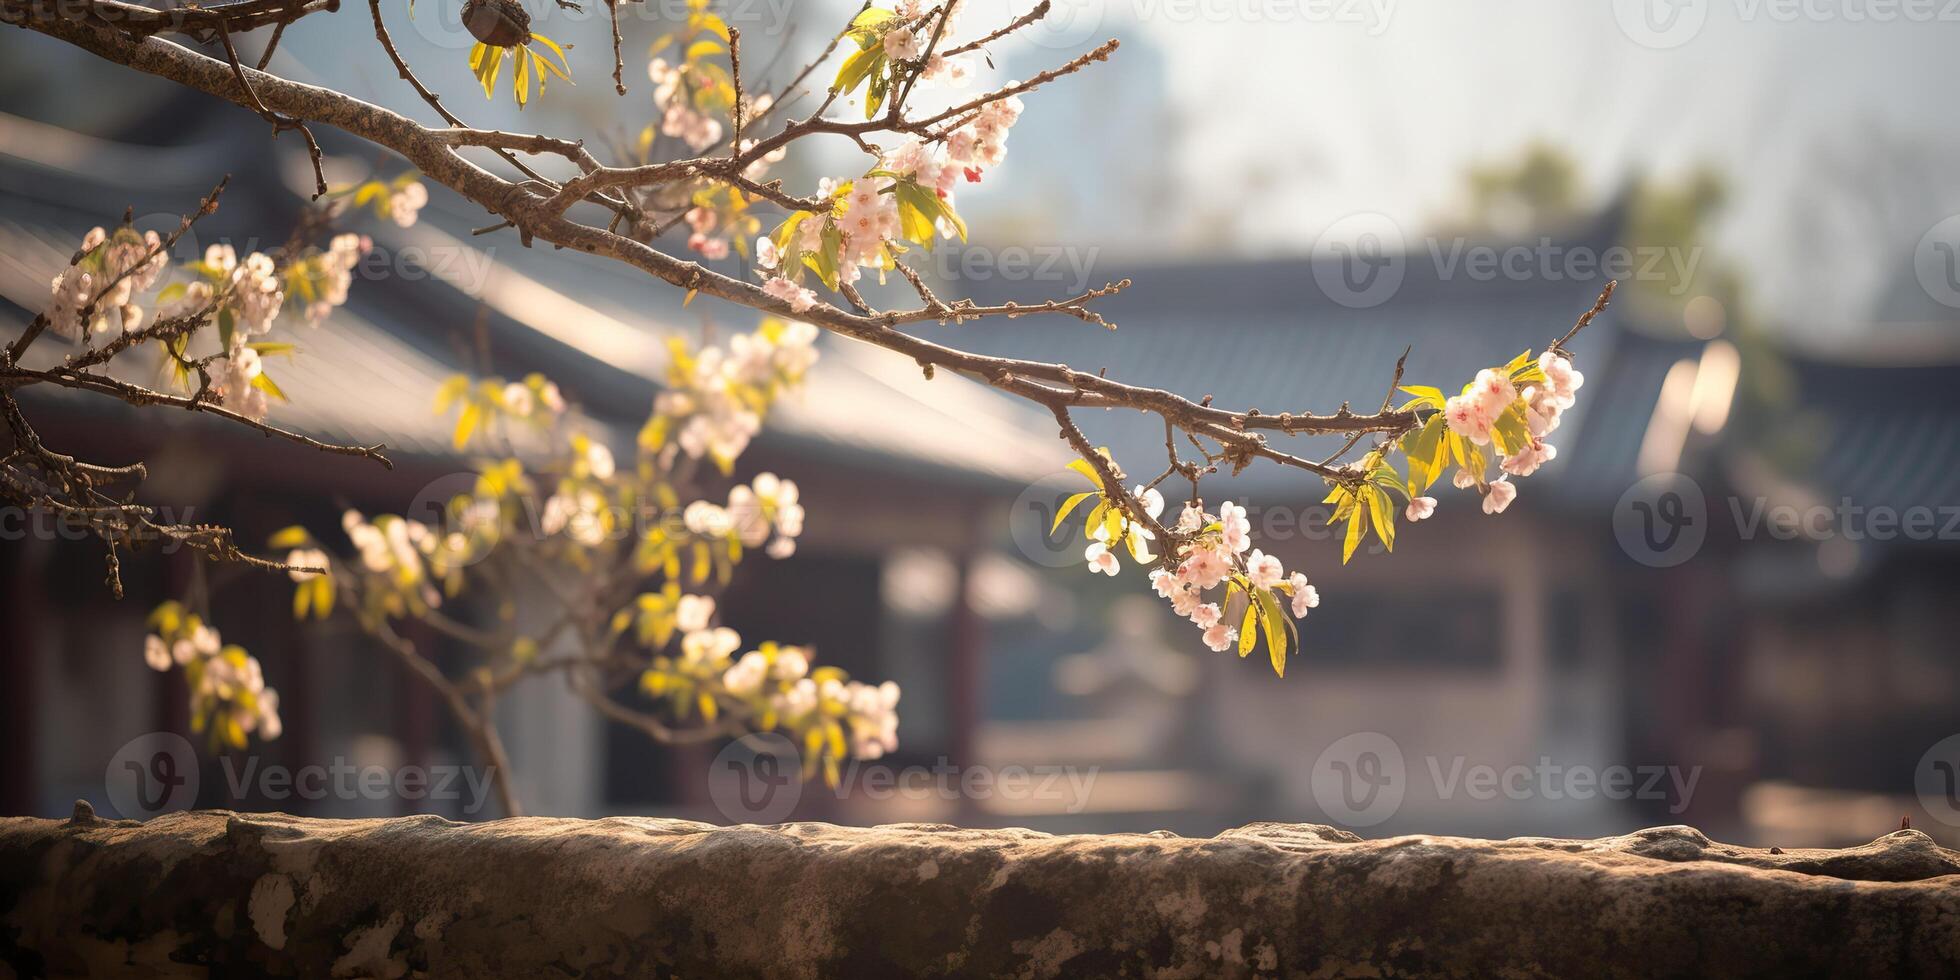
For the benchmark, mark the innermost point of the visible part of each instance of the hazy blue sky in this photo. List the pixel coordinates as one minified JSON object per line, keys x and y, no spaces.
{"x":1812,"y":117}
{"x":1835,"y":126}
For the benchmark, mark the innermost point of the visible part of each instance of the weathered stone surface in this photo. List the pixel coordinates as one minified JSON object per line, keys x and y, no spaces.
{"x":239,"y":894}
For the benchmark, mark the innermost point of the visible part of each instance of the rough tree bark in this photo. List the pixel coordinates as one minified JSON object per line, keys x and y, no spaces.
{"x":231,"y":894}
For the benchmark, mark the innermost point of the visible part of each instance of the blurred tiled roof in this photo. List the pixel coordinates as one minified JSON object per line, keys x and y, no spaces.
{"x":369,"y":373}
{"x":1264,"y":334}
{"x":1891,"y":435}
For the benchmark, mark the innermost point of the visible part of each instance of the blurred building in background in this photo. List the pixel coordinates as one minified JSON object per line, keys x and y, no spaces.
{"x":892,"y":467}
{"x":1795,"y":679}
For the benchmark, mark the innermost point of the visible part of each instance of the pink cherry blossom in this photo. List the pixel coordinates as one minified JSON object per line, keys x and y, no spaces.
{"x":1221,"y":637}
{"x":1237,"y":530}
{"x":1207,"y":615}
{"x":1494,"y":392}
{"x":1190,"y":519}
{"x":1466,"y":417}
{"x":1527,"y":460}
{"x":1101,"y":559}
{"x":1264,"y":570}
{"x":1561,"y":379}
{"x":1305,"y":596}
{"x":798,"y":298}
{"x":1499,"y":496}
{"x":1185,"y":602}
{"x":1205,"y":568}
{"x":1420,"y":508}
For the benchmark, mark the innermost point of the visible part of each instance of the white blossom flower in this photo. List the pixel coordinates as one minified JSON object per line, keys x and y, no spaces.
{"x":706,"y":519}
{"x":305,"y":558}
{"x":693,"y":612}
{"x":1420,"y":508}
{"x":156,"y":653}
{"x":709,"y":648}
{"x":873,"y":717}
{"x":903,"y":44}
{"x":221,"y":258}
{"x":71,"y":291}
{"x":599,"y":460}
{"x":1101,"y":559}
{"x":236,"y":375}
{"x":792,"y":665}
{"x":269,"y":724}
{"x":746,"y":677}
{"x":518,"y":400}
{"x":406,"y":203}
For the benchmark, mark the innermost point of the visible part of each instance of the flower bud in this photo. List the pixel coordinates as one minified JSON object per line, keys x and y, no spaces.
{"x":498,"y":23}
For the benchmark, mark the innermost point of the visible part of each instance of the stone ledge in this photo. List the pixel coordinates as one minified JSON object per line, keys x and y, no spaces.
{"x":228,"y":893}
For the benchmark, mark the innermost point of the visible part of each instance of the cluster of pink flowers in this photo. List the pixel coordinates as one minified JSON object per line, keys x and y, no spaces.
{"x":118,"y":266}
{"x":679,"y":118}
{"x":1215,"y":549}
{"x":982,"y":143}
{"x":1474,"y":413}
{"x":865,"y":213}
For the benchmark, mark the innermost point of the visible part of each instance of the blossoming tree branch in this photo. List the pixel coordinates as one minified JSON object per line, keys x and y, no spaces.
{"x":631,"y":625}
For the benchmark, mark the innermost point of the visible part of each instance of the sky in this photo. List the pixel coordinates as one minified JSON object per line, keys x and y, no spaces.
{"x":1250,"y":127}
{"x":1373,"y":114}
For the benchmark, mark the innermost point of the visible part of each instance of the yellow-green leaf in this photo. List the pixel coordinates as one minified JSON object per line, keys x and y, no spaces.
{"x":1274,"y":622}
{"x":466,"y":425}
{"x":1357,"y":521}
{"x":1381,"y":514}
{"x":1082,"y":466}
{"x":1067,"y":507}
{"x":289,"y":537}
